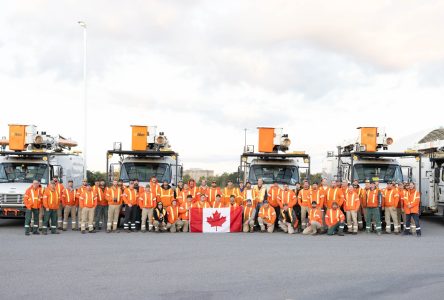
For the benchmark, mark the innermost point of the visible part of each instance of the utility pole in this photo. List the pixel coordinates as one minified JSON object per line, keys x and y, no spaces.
{"x":85,"y":106}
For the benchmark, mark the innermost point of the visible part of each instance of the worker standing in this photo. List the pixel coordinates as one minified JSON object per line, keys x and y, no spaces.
{"x":51,"y":203}
{"x":184,"y":211}
{"x":334,"y":219}
{"x":411,"y":207}
{"x":174,"y":223}
{"x":314,"y":220}
{"x":88,"y":202}
{"x":154,"y":185}
{"x":178,"y":189}
{"x":390,"y":199}
{"x":194,"y":191}
{"x":160,"y":218}
{"x":101,"y":211}
{"x":229,"y":190}
{"x":166,"y":194}
{"x":273,"y":194}
{"x":373,"y":204}
{"x":59,"y":188}
{"x":351,"y":207}
{"x":261,"y":192}
{"x":130,"y":197}
{"x":334,"y":194}
{"x":287,"y":219}
{"x":304,"y":200}
{"x":267,"y":217}
{"x":248,"y":217}
{"x":212,"y":192}
{"x":79,"y":192}
{"x":204,"y":189}
{"x":184,"y":193}
{"x":114,"y":197}
{"x":147,"y":202}
{"x":403,"y":195}
{"x":251,"y":194}
{"x":70,"y":206}
{"x":33,"y":202}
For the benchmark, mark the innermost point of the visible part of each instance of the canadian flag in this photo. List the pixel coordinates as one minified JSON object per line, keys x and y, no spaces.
{"x":216,"y":219}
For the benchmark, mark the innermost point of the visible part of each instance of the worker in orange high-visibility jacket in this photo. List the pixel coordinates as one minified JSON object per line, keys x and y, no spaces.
{"x":194,"y":191}
{"x":403,"y":195}
{"x":390,"y":200}
{"x":101,"y":210}
{"x":166,"y":194}
{"x":218,"y":203}
{"x":69,"y":206}
{"x":155,"y":186}
{"x":304,"y":201}
{"x":374,"y":201}
{"x":248,"y":216}
{"x":130,"y":198}
{"x":147,"y":202}
{"x":33,"y":202}
{"x":178,"y":190}
{"x":233,"y":204}
{"x":88,"y":202}
{"x":411,"y":207}
{"x":59,"y":188}
{"x":251,"y":194}
{"x":174,"y":223}
{"x":229,"y":190}
{"x":267,"y":217}
{"x":184,"y":193}
{"x":351,"y":207}
{"x":51,"y":203}
{"x":287,"y":219}
{"x":114,"y":197}
{"x":317,"y":195}
{"x":184,"y":211}
{"x":160,"y":216}
{"x":361,"y":195}
{"x":212,"y":192}
{"x":202,"y":203}
{"x":314,"y":220}
{"x":79,"y":192}
{"x":204,"y":189}
{"x":334,"y":194}
{"x":334,"y":218}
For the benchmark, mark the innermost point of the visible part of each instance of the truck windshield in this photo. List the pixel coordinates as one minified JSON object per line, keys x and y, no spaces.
{"x":270,"y":173}
{"x":144,"y":171}
{"x":381,"y":172}
{"x":22,"y":172}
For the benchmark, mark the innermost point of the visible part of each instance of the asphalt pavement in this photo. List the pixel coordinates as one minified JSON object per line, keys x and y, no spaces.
{"x":221,"y":266}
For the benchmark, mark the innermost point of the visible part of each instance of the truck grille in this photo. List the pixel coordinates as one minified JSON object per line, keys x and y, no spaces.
{"x":11,"y":199}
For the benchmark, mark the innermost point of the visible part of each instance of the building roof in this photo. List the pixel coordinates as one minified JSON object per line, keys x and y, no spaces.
{"x":434,"y":135}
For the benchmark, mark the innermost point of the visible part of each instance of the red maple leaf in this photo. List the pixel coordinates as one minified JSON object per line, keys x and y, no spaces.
{"x":216,"y":219}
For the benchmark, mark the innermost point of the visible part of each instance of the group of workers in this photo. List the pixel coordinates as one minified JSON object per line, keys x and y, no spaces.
{"x":308,"y":209}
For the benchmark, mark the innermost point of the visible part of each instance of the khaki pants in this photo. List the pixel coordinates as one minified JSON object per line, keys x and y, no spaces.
{"x":60,"y":216}
{"x":157,"y":225}
{"x":391,"y":212}
{"x":147,"y":213}
{"x":186,"y":225}
{"x":176,"y":226}
{"x":248,"y":224}
{"x":69,"y":210}
{"x":263,"y":224}
{"x":304,"y":219}
{"x":399,"y":214}
{"x":79,"y":215}
{"x":88,"y":217}
{"x":286,"y":227}
{"x":113,"y":217}
{"x":352,"y":220}
{"x":312,"y":228}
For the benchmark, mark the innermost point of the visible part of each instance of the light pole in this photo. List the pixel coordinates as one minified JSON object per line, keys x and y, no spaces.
{"x":85,"y":115}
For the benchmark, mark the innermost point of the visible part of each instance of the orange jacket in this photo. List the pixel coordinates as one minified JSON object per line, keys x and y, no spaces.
{"x":155,"y":188}
{"x":166,"y":196}
{"x":219,"y":204}
{"x":315,"y":215}
{"x":211,"y":194}
{"x":411,"y":204}
{"x":200,"y":204}
{"x":69,"y":197}
{"x":233,"y":205}
{"x":173,"y":213}
{"x":286,"y":197}
{"x":203,"y":191}
{"x":352,"y":202}
{"x":88,"y":199}
{"x":333,"y":216}
{"x":267,"y":214}
{"x":390,"y":198}
{"x":184,"y":210}
{"x":33,"y":198}
{"x":372,"y":198}
{"x":59,"y":188}
{"x":101,"y":197}
{"x":114,"y":195}
{"x":51,"y":199}
{"x":130,"y":196}
{"x":334,"y":195}
{"x":403,"y":195}
{"x":318,"y":196}
{"x":272,"y":195}
{"x":254,"y":197}
{"x":182,"y":196}
{"x":248,"y":212}
{"x":147,"y":200}
{"x":79,"y":191}
{"x":227,"y":192}
{"x":304,"y":197}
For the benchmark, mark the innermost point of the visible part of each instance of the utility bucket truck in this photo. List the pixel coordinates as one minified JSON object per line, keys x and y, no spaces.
{"x":272,"y":162}
{"x":30,"y":155}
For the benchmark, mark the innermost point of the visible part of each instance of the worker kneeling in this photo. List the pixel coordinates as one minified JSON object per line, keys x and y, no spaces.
{"x":160,"y":218}
{"x":335,"y":220}
{"x":287,"y":219}
{"x":314,"y":220}
{"x":267,"y":217}
{"x":249,"y":214}
{"x":174,"y":223}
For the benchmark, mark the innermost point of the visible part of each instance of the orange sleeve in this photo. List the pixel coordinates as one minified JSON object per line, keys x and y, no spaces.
{"x":396,"y":199}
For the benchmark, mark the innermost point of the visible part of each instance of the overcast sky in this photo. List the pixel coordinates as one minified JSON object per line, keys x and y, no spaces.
{"x":204,"y":70}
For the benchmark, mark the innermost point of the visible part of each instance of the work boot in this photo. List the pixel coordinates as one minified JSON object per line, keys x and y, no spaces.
{"x":27,"y":233}
{"x":341,"y":232}
{"x":418,"y":233}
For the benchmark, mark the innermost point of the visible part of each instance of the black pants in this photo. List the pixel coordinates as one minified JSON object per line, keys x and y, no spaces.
{"x":28,"y":216}
{"x":277,"y":209}
{"x":415,"y":219}
{"x":130,"y":217}
{"x":138,"y":217}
